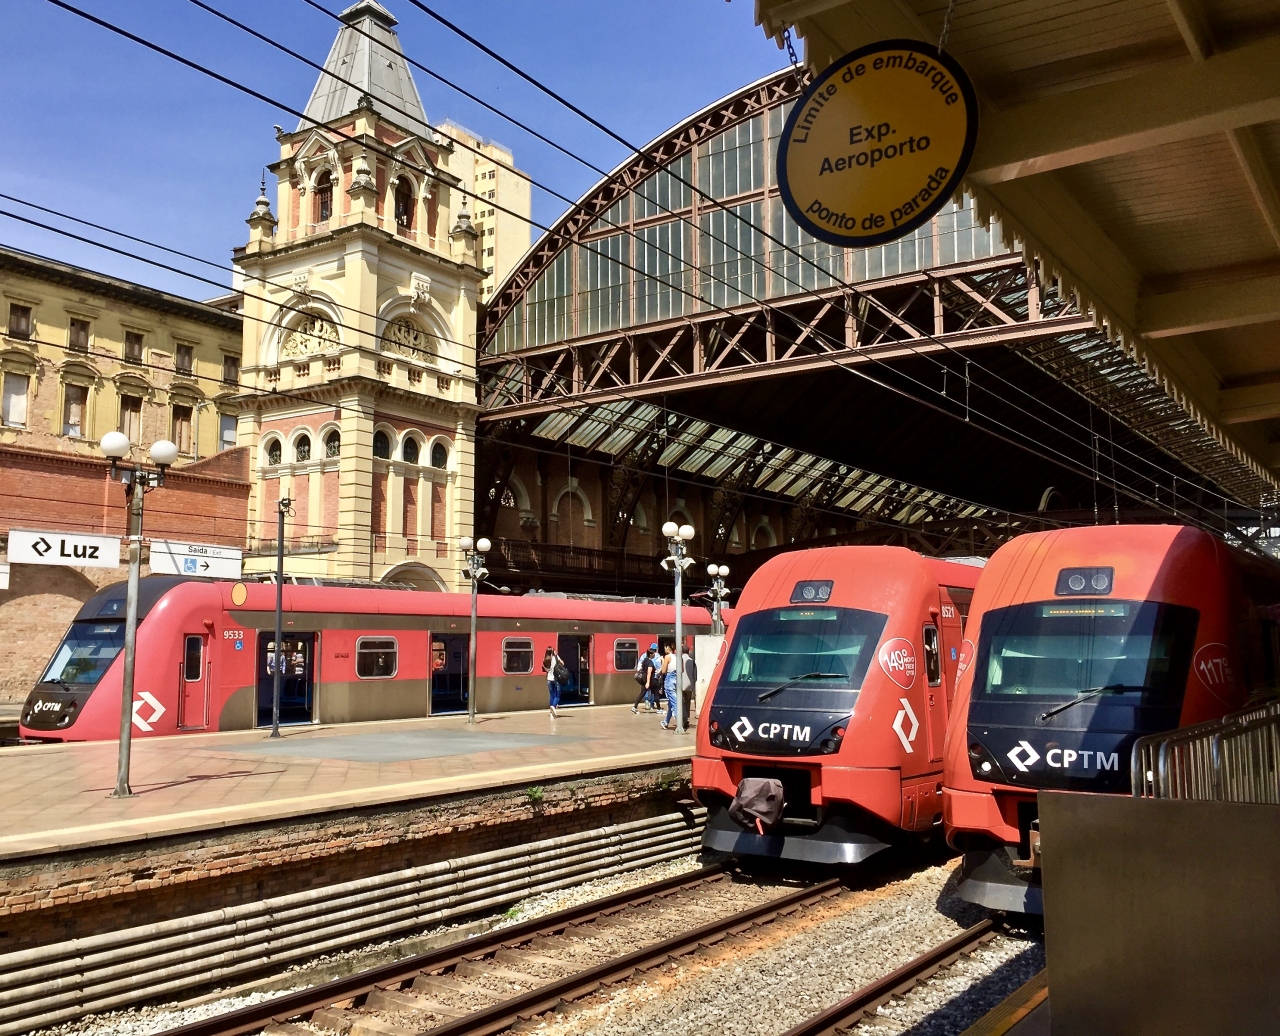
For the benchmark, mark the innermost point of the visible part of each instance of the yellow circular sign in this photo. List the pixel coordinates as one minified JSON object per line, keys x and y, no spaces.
{"x":878,"y":143}
{"x":239,"y":594}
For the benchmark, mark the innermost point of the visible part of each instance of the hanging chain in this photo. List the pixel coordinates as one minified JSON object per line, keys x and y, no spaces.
{"x":801,"y":71}
{"x":946,"y":26}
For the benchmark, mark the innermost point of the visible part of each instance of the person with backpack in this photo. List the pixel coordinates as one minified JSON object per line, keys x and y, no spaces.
{"x":557,"y":674}
{"x":644,"y":676}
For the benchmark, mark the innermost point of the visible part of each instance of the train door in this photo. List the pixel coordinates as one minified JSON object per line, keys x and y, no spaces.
{"x":575,"y":651}
{"x":935,"y":705}
{"x":297,"y":679}
{"x":449,"y":653}
{"x":195,"y":673}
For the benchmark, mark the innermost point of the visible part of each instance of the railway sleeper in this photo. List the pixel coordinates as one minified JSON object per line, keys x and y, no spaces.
{"x":392,"y":1001}
{"x":449,"y":986}
{"x":487,"y":969}
{"x":353,"y":1023}
{"x":522,"y":956}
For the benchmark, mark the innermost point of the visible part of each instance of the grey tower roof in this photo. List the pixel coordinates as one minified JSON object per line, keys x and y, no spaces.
{"x":379,"y":70}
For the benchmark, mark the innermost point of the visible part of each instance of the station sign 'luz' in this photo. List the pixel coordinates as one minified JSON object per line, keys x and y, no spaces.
{"x":878,"y":143}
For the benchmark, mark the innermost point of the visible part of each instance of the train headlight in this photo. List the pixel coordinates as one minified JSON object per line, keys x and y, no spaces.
{"x":975,"y":750}
{"x":985,"y":767}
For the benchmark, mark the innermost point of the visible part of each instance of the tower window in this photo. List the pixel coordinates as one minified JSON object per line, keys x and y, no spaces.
{"x":381,"y":446}
{"x":332,"y":444}
{"x":410,"y":451}
{"x":404,"y":203}
{"x":302,"y":451}
{"x":324,"y":197}
{"x":439,"y":455}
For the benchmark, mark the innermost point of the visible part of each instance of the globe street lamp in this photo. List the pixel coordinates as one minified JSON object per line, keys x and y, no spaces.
{"x":137,"y":482}
{"x":474,"y":551}
{"x":284,"y":509}
{"x":718,"y":595}
{"x":676,"y":562}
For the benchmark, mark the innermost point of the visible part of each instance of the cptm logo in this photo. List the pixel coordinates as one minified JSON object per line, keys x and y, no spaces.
{"x":898,"y":660}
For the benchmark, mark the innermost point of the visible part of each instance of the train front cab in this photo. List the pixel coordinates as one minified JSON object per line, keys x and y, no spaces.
{"x":1079,"y":642}
{"x":835,"y":681}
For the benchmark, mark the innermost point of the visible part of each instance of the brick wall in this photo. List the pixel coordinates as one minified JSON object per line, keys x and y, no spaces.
{"x":205,"y":502}
{"x":49,"y":899}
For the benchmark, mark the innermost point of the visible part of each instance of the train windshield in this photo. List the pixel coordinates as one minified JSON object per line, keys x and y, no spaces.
{"x":1126,"y":652}
{"x":85,"y":653}
{"x":826,"y":652}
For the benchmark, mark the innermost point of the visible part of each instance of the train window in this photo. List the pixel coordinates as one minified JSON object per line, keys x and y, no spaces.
{"x":376,"y":658}
{"x":932,"y":656}
{"x":193,"y":659}
{"x":517,"y":655}
{"x":625,"y":655}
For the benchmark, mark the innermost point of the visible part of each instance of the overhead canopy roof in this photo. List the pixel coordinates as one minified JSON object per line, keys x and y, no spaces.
{"x":1133,"y":146}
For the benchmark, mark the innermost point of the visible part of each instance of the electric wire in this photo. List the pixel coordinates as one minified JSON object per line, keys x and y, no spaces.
{"x":631,"y":147}
{"x":1062,"y":459}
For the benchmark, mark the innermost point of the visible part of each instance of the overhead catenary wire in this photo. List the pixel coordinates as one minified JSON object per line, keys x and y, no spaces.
{"x":1029,"y":445}
{"x":631,"y":147}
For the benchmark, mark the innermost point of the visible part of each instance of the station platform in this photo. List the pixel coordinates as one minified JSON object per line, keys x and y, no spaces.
{"x":60,"y":800}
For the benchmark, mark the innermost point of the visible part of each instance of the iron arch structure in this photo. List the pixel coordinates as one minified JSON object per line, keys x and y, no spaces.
{"x":676,"y":322}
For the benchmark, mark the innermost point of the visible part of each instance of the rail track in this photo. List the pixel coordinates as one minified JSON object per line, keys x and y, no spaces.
{"x":492,"y":983}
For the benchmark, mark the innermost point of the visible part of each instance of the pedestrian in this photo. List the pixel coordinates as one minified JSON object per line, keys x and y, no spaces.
{"x":553,"y":665}
{"x":688,"y":683}
{"x":645,"y":678}
{"x":670,"y":678}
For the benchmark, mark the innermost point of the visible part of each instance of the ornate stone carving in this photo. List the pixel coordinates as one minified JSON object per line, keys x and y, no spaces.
{"x":314,"y":334}
{"x":403,"y":336}
{"x":420,"y":288}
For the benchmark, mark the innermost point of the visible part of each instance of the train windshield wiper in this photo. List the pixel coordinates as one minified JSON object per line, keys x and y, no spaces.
{"x":1086,"y":694}
{"x":797,"y":679}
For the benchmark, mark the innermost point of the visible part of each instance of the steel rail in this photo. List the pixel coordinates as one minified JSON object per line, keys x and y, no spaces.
{"x":846,"y":1013}
{"x":502,"y":1016}
{"x":252,"y":1018}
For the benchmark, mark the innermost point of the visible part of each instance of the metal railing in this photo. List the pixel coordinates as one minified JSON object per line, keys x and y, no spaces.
{"x":1233,"y":759}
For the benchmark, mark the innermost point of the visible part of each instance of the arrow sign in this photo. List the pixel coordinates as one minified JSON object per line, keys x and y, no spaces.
{"x":906,"y":713}
{"x":743,"y":728}
{"x":171,"y":557}
{"x":71,"y":549}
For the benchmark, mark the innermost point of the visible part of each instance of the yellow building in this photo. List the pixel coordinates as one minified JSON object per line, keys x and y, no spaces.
{"x":84,"y":354}
{"x":502,"y":204}
{"x":360,"y":306}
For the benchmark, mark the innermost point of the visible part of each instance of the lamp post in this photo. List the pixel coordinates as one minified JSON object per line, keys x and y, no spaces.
{"x":284,"y":509}
{"x":474,"y":551}
{"x":137,"y":481}
{"x":718,"y":595}
{"x":676,"y":562}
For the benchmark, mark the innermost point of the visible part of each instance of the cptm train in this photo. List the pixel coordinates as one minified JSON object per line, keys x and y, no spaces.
{"x":1081,"y":641}
{"x":835,"y":682}
{"x":206,"y":651}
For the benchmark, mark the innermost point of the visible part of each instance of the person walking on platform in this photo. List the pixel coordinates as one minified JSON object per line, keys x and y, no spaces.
{"x":670,"y":681}
{"x":645,"y":677}
{"x":553,"y":665}
{"x":688,"y":683}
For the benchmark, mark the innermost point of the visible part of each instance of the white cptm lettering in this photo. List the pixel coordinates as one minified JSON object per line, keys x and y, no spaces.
{"x":1023,"y":756}
{"x":770,"y":731}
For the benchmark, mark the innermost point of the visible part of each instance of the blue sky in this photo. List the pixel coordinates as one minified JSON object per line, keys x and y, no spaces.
{"x":98,"y":127}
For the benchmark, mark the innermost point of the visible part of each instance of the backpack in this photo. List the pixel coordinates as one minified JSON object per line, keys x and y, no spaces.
{"x":560,"y":671}
{"x":639,"y":674}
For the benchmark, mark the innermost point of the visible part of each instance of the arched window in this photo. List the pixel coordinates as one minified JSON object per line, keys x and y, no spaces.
{"x":381,"y":446}
{"x":439,"y":455}
{"x":273,"y":451}
{"x":410,"y":451}
{"x":332,"y":444}
{"x":324,"y":197}
{"x":404,"y":203}
{"x":508,"y":499}
{"x":302,"y":451}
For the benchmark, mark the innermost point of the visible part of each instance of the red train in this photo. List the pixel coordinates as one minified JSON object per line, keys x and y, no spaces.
{"x":205,"y":653}
{"x":836,"y":681}
{"x":1081,"y":641}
